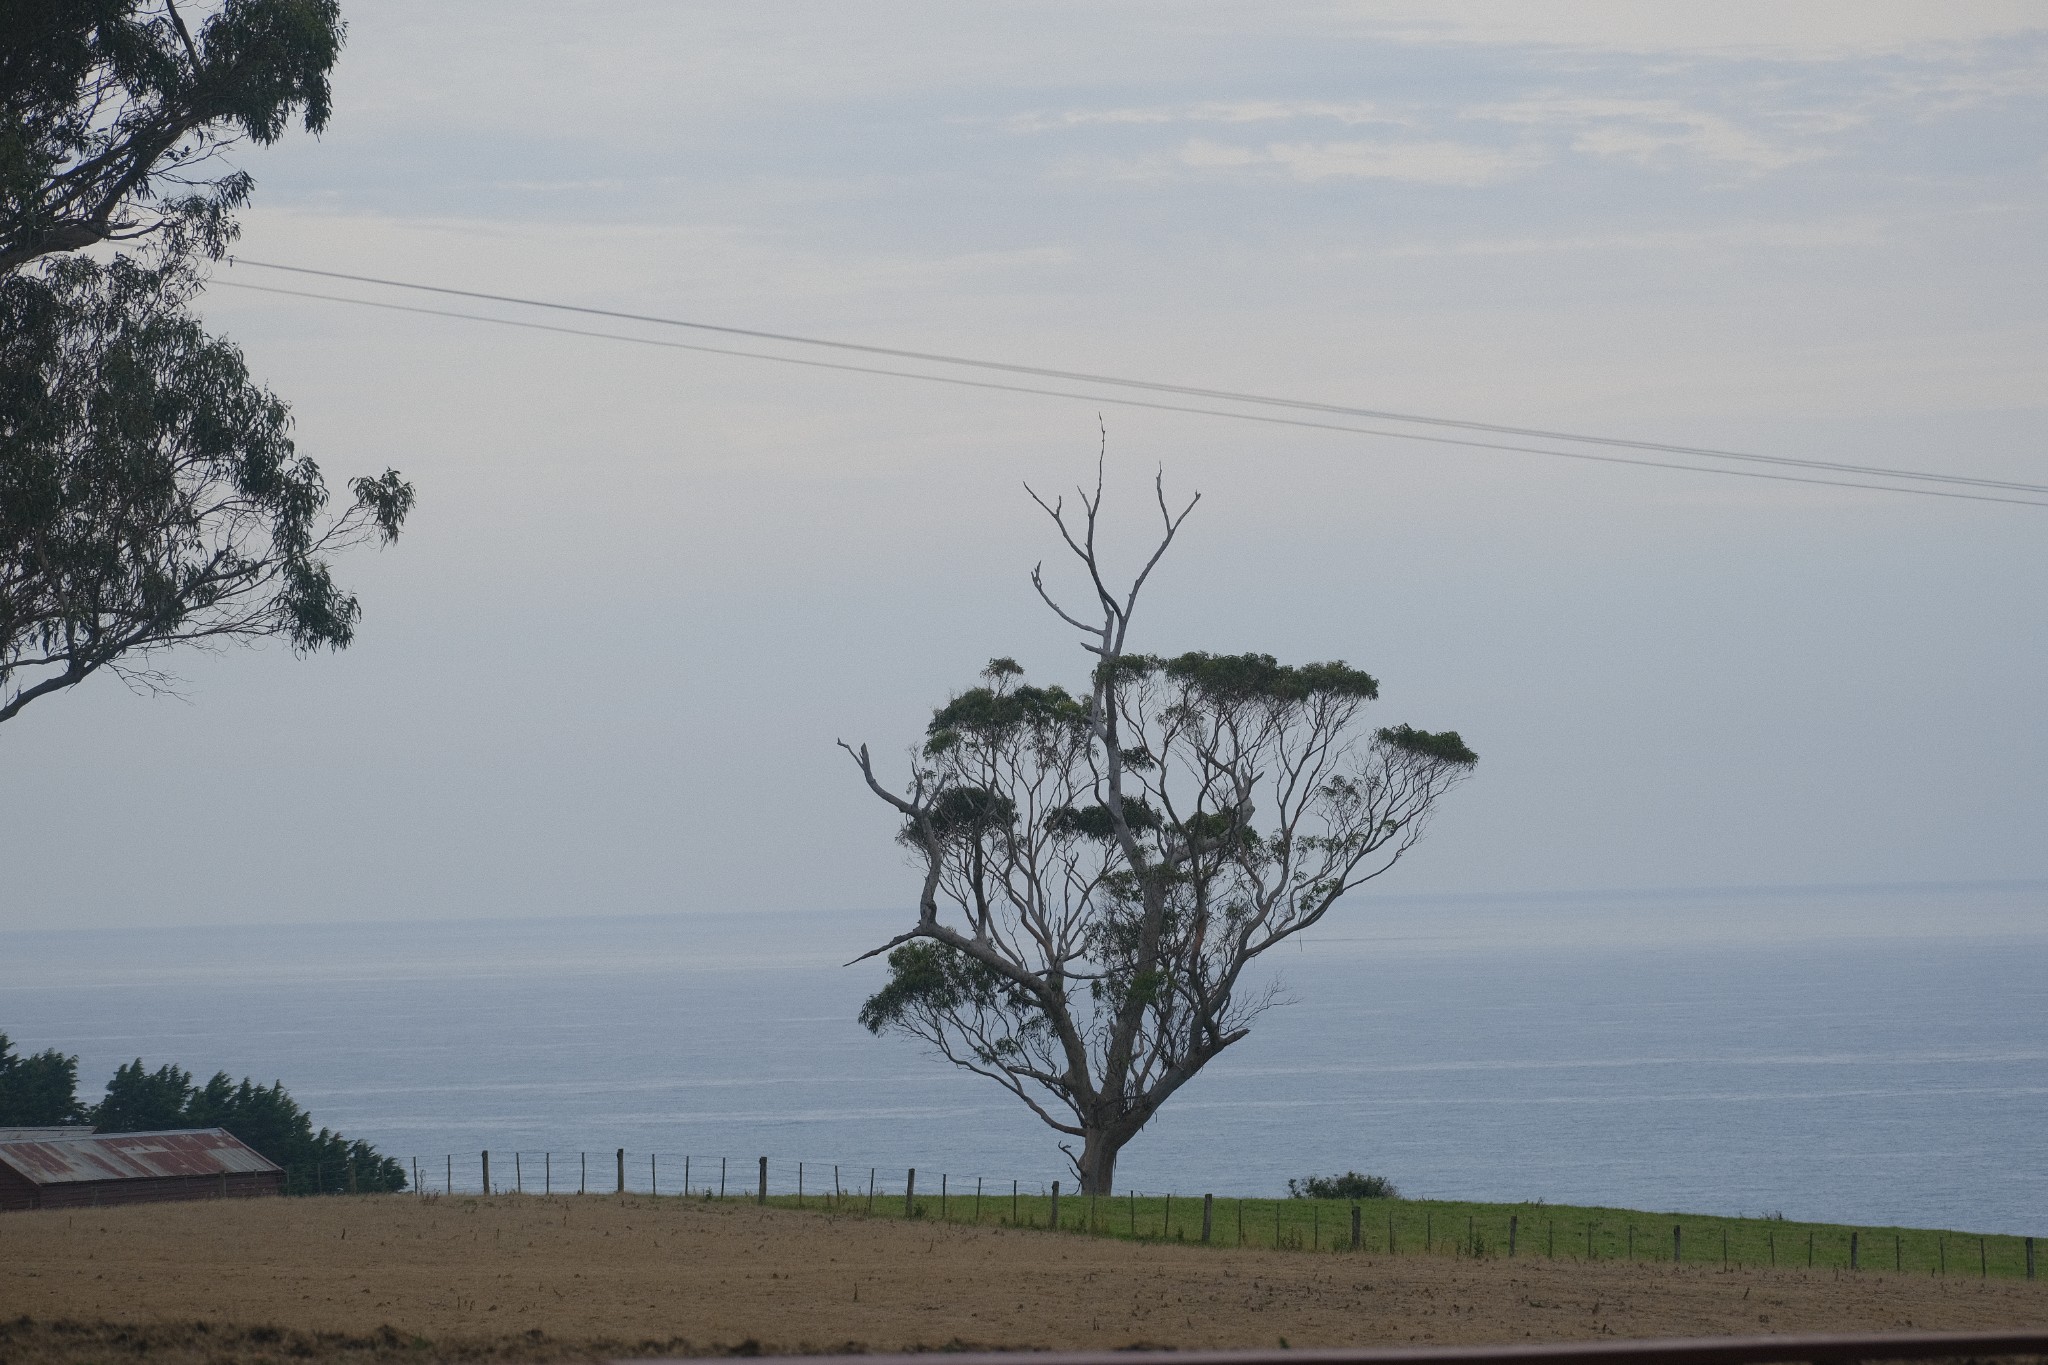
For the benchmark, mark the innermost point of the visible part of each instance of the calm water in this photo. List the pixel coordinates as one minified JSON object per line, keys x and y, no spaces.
{"x":1863,"y":1055}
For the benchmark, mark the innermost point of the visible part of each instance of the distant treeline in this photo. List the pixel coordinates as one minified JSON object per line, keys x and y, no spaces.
{"x":41,"y":1090}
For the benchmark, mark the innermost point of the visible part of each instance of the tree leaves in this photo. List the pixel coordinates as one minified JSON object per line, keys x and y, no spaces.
{"x":150,"y":492}
{"x":114,"y":116}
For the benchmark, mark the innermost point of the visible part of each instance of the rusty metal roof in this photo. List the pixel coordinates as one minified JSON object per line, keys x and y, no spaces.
{"x":61,"y":1133}
{"x":132,"y":1156}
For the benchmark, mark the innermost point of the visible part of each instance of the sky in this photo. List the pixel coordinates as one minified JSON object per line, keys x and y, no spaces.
{"x":646,"y":590}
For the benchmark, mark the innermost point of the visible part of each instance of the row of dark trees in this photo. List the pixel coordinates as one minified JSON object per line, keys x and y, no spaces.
{"x":41,"y":1089}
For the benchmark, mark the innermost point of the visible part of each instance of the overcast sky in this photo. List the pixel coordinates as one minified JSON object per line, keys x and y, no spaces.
{"x":645,"y":590}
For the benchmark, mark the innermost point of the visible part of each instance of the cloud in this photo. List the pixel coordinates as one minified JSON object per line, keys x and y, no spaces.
{"x":1210,"y":111}
{"x":1651,"y":131}
{"x":1814,"y":30}
{"x":1423,"y":162}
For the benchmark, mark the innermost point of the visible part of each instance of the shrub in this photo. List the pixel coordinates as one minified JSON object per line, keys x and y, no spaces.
{"x":1350,"y":1185}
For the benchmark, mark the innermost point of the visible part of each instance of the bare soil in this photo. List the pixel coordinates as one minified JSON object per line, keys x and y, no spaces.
{"x":512,"y":1278}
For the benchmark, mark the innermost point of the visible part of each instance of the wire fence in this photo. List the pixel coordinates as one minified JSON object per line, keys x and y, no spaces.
{"x":1393,"y":1227}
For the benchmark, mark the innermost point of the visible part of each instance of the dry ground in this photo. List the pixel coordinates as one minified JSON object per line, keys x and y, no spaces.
{"x":529,"y":1278}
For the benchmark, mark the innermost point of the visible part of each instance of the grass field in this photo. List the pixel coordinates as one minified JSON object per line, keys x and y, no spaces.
{"x":1453,"y":1228}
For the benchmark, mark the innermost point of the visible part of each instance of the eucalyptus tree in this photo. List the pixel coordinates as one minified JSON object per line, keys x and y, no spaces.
{"x":1101,"y":867}
{"x":150,"y":492}
{"x":118,"y":117}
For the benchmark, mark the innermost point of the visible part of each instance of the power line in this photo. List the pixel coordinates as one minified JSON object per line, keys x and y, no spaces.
{"x":955,"y":381}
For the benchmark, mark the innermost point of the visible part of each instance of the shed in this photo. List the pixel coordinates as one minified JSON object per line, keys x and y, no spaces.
{"x":133,"y":1168}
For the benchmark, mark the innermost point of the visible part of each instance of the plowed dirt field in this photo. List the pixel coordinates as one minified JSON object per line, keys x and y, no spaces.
{"x":384,"y":1277}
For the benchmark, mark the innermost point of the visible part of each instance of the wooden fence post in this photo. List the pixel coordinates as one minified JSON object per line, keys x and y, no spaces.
{"x":909,"y":1192}
{"x":487,"y":1172}
{"x":1852,"y":1249}
{"x":451,"y":1174}
{"x":583,"y":1173}
{"x":622,"y":1170}
{"x":761,"y":1196}
{"x":1514,"y":1223}
{"x":518,"y":1176}
{"x":1354,"y":1227}
{"x":1052,"y":1220}
{"x":1677,"y":1245}
{"x":1208,"y":1214}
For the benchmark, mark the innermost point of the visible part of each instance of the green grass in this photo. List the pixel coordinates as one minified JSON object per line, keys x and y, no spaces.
{"x":1411,"y":1227}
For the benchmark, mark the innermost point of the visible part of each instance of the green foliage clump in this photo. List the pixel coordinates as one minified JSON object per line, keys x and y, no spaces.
{"x":1350,"y":1185}
{"x":38,"y":1091}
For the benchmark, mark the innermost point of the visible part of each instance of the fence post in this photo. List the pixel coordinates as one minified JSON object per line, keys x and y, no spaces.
{"x":721,"y":1177}
{"x":1013,"y":1203}
{"x":622,"y":1170}
{"x":1208,"y":1214}
{"x":547,"y":1174}
{"x":909,"y":1192}
{"x":799,"y":1184}
{"x":2030,"y":1258}
{"x":761,"y":1196}
{"x":583,"y":1173}
{"x":416,"y":1177}
{"x":487,"y":1172}
{"x":1983,"y":1266}
{"x":1677,"y":1245}
{"x":653,"y":1176}
{"x":1514,"y":1224}
{"x":942,"y":1196}
{"x":1052,"y":1219}
{"x":451,"y":1172}
{"x":518,"y":1178}
{"x":1354,"y":1227}
{"x":1852,"y":1249}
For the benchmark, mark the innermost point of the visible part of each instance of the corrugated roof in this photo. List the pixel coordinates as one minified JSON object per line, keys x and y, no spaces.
{"x":132,"y":1156}
{"x":57,"y":1134}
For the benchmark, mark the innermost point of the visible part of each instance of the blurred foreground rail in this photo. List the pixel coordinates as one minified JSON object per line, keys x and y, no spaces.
{"x":1818,"y":1349}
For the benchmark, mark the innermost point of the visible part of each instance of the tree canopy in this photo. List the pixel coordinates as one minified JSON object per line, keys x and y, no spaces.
{"x":1101,"y":866}
{"x":115,"y":115}
{"x":150,"y":492}
{"x":39,"y":1090}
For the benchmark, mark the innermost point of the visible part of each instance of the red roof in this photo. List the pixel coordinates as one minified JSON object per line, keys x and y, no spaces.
{"x":133,"y":1156}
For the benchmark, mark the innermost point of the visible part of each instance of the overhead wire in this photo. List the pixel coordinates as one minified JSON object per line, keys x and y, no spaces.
{"x":1187,"y":390}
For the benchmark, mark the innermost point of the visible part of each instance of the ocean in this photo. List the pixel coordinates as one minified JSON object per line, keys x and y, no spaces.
{"x":1860,"y":1054}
